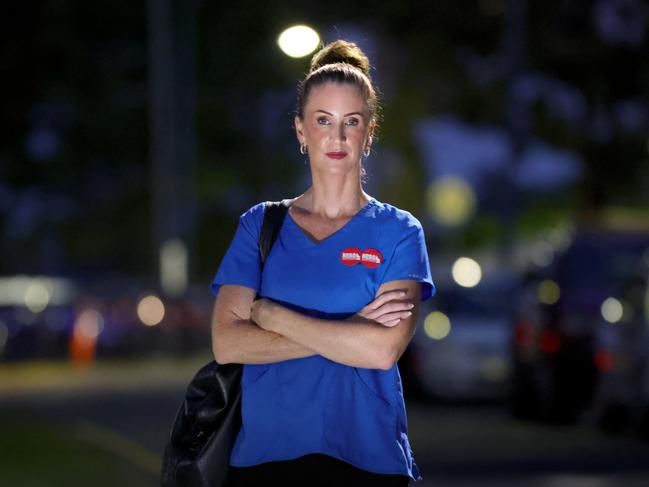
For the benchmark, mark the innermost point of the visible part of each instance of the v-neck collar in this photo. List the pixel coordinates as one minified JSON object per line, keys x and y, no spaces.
{"x":329,"y":237}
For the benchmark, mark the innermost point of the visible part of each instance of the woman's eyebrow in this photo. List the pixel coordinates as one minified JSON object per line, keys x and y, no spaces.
{"x":346,"y":115}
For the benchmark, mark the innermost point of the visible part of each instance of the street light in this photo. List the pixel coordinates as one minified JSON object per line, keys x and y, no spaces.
{"x":298,"y":41}
{"x":466,"y":272}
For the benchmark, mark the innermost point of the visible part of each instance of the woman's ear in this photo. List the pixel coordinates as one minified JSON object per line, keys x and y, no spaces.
{"x":299,"y":129}
{"x":370,"y":132}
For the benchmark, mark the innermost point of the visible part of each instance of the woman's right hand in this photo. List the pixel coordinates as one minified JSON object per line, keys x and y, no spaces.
{"x":387,"y":309}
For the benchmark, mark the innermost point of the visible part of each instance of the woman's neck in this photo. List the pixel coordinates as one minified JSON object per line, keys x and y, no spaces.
{"x":333,"y":201}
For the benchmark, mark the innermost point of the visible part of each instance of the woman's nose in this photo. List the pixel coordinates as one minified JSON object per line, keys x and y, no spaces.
{"x":340,"y":132}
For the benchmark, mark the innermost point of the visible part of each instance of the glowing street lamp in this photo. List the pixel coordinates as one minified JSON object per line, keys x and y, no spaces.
{"x":298,"y":41}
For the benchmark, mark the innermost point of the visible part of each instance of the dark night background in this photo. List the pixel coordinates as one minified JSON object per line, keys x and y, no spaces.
{"x":126,"y":125}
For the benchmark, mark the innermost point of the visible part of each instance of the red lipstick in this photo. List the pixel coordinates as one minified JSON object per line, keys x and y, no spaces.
{"x":336,"y":155}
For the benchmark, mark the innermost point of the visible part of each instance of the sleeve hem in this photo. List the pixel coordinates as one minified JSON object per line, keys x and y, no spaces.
{"x":428,"y":289}
{"x":215,"y":286}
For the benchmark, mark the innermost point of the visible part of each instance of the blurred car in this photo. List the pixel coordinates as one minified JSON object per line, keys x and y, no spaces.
{"x":557,"y":313}
{"x":461,"y":350}
{"x":46,"y":317}
{"x":621,"y":402}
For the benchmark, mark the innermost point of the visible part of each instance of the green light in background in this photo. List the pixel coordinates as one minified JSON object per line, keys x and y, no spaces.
{"x":437,"y":325}
{"x":450,"y":200}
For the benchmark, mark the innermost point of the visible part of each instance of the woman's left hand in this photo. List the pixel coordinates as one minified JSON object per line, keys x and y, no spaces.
{"x":261,"y":312}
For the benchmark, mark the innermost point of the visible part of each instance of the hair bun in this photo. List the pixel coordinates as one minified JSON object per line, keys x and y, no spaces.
{"x":341,"y":52}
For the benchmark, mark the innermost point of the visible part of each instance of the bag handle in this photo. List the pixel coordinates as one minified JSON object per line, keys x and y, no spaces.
{"x":274,"y":214}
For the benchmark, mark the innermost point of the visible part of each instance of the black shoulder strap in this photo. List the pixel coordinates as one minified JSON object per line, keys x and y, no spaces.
{"x":274,"y":214}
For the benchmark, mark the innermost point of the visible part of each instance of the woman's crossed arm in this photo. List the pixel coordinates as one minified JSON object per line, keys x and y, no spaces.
{"x":262,"y":331}
{"x":359,"y":341}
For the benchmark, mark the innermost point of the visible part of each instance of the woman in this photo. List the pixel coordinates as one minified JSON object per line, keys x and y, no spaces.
{"x":341,"y":288}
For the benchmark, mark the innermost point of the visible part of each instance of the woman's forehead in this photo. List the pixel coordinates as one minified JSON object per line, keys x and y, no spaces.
{"x":336,"y":95}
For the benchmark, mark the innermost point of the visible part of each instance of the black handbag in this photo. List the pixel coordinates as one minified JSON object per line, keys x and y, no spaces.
{"x":197,"y":453}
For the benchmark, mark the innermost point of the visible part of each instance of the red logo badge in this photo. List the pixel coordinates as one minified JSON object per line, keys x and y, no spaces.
{"x":350,"y":256}
{"x":369,"y":258}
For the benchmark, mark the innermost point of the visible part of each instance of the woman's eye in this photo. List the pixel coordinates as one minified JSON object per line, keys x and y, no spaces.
{"x":352,"y":121}
{"x":323,"y":121}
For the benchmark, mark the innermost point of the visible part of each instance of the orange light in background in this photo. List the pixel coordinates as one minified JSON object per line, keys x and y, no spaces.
{"x":150,"y":310}
{"x":83,"y":342}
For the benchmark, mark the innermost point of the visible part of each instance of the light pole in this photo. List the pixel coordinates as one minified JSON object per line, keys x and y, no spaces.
{"x":172,"y":35}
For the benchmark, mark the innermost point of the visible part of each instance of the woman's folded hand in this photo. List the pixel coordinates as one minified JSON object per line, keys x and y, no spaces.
{"x":387,"y":309}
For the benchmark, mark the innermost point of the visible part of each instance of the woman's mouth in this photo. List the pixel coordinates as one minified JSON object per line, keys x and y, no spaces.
{"x":336,"y":155}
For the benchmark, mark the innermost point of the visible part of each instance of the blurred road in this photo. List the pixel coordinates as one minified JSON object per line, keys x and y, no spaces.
{"x":454,"y":445}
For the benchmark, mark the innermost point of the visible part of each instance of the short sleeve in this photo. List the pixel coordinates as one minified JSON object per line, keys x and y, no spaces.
{"x":410,"y":260}
{"x":241,"y":264}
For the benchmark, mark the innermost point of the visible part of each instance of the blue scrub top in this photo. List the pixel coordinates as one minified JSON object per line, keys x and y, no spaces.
{"x":314,"y":405}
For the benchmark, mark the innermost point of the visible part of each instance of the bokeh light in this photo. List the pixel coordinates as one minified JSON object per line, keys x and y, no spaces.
{"x":150,"y":310}
{"x":450,"y":201}
{"x":298,"y":41}
{"x":495,"y":369}
{"x":37,"y":297}
{"x":89,"y":324}
{"x":612,"y":310}
{"x":83,"y":342}
{"x":437,"y":325}
{"x":561,"y":236}
{"x":35,"y":292}
{"x":173,"y":267}
{"x":548,"y":291}
{"x":466,"y":272}
{"x":542,"y":253}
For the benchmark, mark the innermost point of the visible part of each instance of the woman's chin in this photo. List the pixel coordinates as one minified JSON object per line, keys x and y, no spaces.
{"x":337,"y":166}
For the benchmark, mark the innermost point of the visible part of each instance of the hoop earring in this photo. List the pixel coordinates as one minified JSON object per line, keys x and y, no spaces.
{"x":366,"y":152}
{"x":303,"y":149}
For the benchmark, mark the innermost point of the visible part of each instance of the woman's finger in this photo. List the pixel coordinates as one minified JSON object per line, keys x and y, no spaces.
{"x":392,"y":323}
{"x":384,"y":298}
{"x":390,"y":307}
{"x":393,"y":316}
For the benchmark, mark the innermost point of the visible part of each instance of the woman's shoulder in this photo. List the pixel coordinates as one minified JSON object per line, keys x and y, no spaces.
{"x":255,"y":211}
{"x":393,"y":215}
{"x":252,"y":218}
